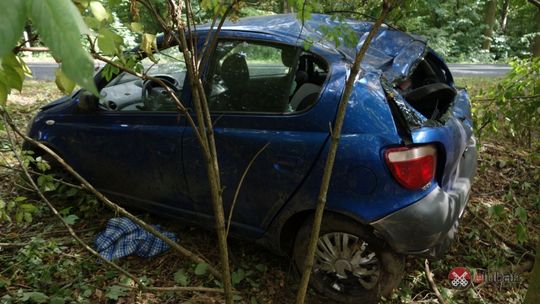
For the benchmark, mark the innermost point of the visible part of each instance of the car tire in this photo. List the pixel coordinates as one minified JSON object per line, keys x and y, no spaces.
{"x":362,"y":271}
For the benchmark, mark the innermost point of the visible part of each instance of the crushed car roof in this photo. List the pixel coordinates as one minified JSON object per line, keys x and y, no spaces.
{"x":386,"y":45}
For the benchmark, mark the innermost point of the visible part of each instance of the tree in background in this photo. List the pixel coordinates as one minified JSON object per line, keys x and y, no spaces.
{"x":489,"y":23}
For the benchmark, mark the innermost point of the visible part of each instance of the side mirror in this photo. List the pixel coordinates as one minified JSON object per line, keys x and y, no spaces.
{"x":88,"y":102}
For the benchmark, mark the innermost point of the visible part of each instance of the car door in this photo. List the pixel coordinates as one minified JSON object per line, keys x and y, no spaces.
{"x":132,"y":146}
{"x":250,"y":86}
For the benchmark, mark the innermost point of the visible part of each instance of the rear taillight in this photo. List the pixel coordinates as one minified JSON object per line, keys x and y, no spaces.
{"x":412,"y":167}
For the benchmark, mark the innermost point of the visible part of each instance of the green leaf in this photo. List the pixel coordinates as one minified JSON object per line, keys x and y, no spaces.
{"x":496,"y":210}
{"x":148,"y":44}
{"x":137,"y":27}
{"x":521,"y":213}
{"x":261,"y":267}
{"x":27,"y":217}
{"x":63,"y":83}
{"x":38,"y":297}
{"x":99,"y":11}
{"x":114,"y":292}
{"x":181,"y":277}
{"x":109,"y":42}
{"x":28,"y":208}
{"x":238,"y":276}
{"x":201,"y":269}
{"x":12,"y":25}
{"x":11,"y":75}
{"x":57,"y":300}
{"x":4,"y":282}
{"x":521,"y":233}
{"x":71,"y":219}
{"x":60,"y":26}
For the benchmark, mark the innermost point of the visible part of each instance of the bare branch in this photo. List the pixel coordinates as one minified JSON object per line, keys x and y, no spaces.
{"x":432,"y":284}
{"x":241,"y":182}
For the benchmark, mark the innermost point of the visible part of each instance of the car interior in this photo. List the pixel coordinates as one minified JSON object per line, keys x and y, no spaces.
{"x":243,"y":77}
{"x":251,"y":77}
{"x":428,"y":89}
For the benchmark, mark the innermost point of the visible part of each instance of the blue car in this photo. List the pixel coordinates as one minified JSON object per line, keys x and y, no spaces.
{"x":402,"y":175}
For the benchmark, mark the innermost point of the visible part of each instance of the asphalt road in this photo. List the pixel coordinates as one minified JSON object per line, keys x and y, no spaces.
{"x":45,"y":71}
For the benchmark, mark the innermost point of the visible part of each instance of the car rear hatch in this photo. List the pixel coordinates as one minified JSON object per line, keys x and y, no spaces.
{"x":428,"y":109}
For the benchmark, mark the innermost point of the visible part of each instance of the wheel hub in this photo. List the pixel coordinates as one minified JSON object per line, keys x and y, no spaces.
{"x":345,"y":260}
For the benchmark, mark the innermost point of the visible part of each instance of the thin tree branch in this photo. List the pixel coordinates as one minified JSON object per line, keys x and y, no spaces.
{"x":241,"y":182}
{"x":37,"y":49}
{"x":432,"y":285}
{"x":41,"y":173}
{"x":387,"y":6}
{"x":503,"y":238}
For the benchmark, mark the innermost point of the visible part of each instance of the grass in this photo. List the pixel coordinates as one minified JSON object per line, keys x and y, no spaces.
{"x":41,"y":263}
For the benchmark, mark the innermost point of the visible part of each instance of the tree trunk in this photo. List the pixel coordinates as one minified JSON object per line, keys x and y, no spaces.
{"x":489,"y":22}
{"x":504,"y":15}
{"x":533,"y":293}
{"x":329,"y":164}
{"x":536,"y":41}
{"x":285,"y":8}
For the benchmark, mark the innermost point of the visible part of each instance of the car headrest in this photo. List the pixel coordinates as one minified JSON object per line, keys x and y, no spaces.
{"x":234,"y":71}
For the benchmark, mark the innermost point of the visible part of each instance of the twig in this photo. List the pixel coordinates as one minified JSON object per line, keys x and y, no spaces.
{"x":511,"y":98}
{"x":51,"y":233}
{"x":41,"y":173}
{"x":33,"y":49}
{"x":502,"y":237}
{"x":184,"y":251}
{"x":12,"y":245}
{"x":241,"y":182}
{"x":188,"y":288}
{"x":432,"y":284}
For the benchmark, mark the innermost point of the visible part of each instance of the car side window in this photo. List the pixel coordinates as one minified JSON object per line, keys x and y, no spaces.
{"x":126,"y":92}
{"x":248,"y":76}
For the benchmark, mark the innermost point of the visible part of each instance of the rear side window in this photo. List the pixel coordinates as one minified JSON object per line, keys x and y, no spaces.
{"x":247,"y":76}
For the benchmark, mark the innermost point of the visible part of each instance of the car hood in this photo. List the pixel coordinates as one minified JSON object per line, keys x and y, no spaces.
{"x":393,"y":52}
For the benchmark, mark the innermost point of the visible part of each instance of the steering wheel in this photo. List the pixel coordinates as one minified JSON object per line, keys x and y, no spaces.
{"x":156,"y":97}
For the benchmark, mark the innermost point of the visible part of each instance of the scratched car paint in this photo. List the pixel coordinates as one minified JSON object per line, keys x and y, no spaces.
{"x":403,"y":170}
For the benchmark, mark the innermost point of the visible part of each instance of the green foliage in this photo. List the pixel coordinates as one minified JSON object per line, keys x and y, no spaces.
{"x":513,"y":106}
{"x":60,"y":26}
{"x":13,"y":18}
{"x":114,"y":292}
{"x":181,"y":277}
{"x":12,"y":73}
{"x":201,"y":269}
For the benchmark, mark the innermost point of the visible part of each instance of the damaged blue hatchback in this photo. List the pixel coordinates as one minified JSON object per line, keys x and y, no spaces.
{"x":402,"y":175}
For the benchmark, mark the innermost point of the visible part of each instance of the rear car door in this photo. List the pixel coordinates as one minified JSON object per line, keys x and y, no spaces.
{"x":250,"y":86}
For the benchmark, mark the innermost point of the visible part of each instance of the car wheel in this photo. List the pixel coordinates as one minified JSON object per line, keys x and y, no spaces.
{"x":351,"y":265}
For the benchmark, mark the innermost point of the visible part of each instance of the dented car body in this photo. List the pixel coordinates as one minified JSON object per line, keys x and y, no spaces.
{"x":404,"y":165}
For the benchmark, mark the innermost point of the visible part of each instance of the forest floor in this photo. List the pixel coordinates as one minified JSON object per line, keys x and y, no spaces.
{"x":41,"y":263}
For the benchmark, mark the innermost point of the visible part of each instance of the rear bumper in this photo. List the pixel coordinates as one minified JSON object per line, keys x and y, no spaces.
{"x":428,"y":226}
